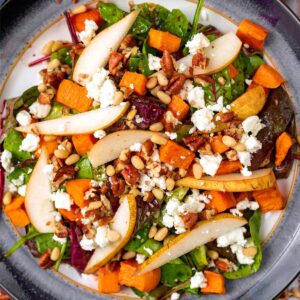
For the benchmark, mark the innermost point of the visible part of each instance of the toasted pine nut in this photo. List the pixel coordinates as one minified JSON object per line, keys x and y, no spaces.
{"x":182,"y":172}
{"x":154,"y":91}
{"x":62,"y":154}
{"x":131,"y":114}
{"x":161,"y":234}
{"x":212,"y":254}
{"x":7,"y":198}
{"x":152,"y":232}
{"x":94,"y":205}
{"x":162,"y":79}
{"x":158,"y":194}
{"x":119,"y":167}
{"x":250,"y":251}
{"x":168,"y":239}
{"x":113,"y":235}
{"x":156,"y":127}
{"x":123,"y":155}
{"x":170,"y":183}
{"x":229,"y":141}
{"x":42,"y":87}
{"x":50,"y":138}
{"x":118,"y":98}
{"x":129,"y":255}
{"x":137,"y":162}
{"x":72,"y":159}
{"x":110,"y":170}
{"x":53,"y":64}
{"x":56,"y":46}
{"x":55,"y":253}
{"x":78,"y":9}
{"x":152,"y":82}
{"x":158,"y":139}
{"x":46,"y":50}
{"x":239,"y":147}
{"x":163,"y":97}
{"x":197,"y":170}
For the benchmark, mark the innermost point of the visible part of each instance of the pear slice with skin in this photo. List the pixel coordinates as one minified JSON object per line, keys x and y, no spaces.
{"x":97,"y":53}
{"x":203,"y":232}
{"x":38,"y":204}
{"x":235,"y":182}
{"x":124,"y":223}
{"x":110,"y":147}
{"x":82,"y":123}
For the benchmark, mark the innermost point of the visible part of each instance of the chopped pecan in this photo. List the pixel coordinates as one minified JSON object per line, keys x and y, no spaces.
{"x":89,"y":231}
{"x":206,"y":149}
{"x":61,"y":230}
{"x":176,"y":83}
{"x":52,"y":78}
{"x":67,"y":171}
{"x":200,"y":78}
{"x":127,"y":42}
{"x":227,"y":117}
{"x":194,"y":142}
{"x":148,"y":197}
{"x":223,"y":264}
{"x":104,"y":220}
{"x":130,"y":174}
{"x":148,"y":147}
{"x":104,"y":189}
{"x":114,"y":62}
{"x":117,"y":185}
{"x":200,"y":59}
{"x":167,"y":64}
{"x":44,"y":98}
{"x":44,"y":261}
{"x":206,"y":214}
{"x":189,"y":219}
{"x":234,"y":132}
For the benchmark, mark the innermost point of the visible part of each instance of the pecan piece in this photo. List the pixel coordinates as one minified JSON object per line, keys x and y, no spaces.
{"x":44,"y":98}
{"x":44,"y":261}
{"x":61,"y":230}
{"x":189,"y":220}
{"x":223,"y":264}
{"x":227,"y":117}
{"x":148,"y":197}
{"x":130,"y":174}
{"x":114,"y":62}
{"x":67,"y":171}
{"x":194,"y":142}
{"x":200,"y":59}
{"x":167,"y":64}
{"x":176,"y":83}
{"x":127,"y":42}
{"x":117,"y":185}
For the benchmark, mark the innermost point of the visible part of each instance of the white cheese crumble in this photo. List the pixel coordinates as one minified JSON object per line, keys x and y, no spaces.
{"x":22,"y":190}
{"x":182,"y":68}
{"x":89,"y":31}
{"x":198,"y":280}
{"x":252,"y":125}
{"x":160,"y":182}
{"x":145,"y":183}
{"x":57,"y":216}
{"x":243,"y":205}
{"x":175,"y":296}
{"x":242,"y":259}
{"x":246,"y":172}
{"x":202,"y":119}
{"x":23,"y":118}
{"x":198,"y":41}
{"x":245,"y":158}
{"x":233,"y":237}
{"x":140,"y":258}
{"x":195,"y":97}
{"x":30,"y":143}
{"x":99,"y":134}
{"x":171,"y":135}
{"x":61,"y":200}
{"x":87,"y":244}
{"x":38,"y":110}
{"x":149,"y":251}
{"x":101,"y":238}
{"x":210,"y":163}
{"x":154,"y":62}
{"x":107,"y":93}
{"x":6,"y":157}
{"x":137,"y":147}
{"x":60,"y":240}
{"x":48,"y":170}
{"x":19,"y":181}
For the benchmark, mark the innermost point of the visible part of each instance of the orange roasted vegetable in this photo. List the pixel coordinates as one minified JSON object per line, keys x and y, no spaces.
{"x":135,"y":81}
{"x":220,"y":201}
{"x":252,"y":34}
{"x":253,"y":85}
{"x":73,"y":95}
{"x":83,"y":143}
{"x":267,"y":77}
{"x":283,"y":144}
{"x":269,"y":199}
{"x":162,"y":40}
{"x":233,"y":72}
{"x":178,"y":107}
{"x":227,"y":167}
{"x":18,"y":217}
{"x":215,"y":283}
{"x":108,"y":281}
{"x":145,"y":282}
{"x":79,"y":19}
{"x":17,"y":202}
{"x":176,"y":155}
{"x":70,"y":215}
{"x":217,"y":145}
{"x":76,"y":188}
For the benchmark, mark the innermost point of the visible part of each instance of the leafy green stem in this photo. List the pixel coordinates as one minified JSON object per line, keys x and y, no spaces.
{"x":62,"y":252}
{"x":197,"y":17}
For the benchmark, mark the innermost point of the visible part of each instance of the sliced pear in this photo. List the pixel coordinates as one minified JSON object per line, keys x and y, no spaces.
{"x":81,"y":123}
{"x":204,"y":232}
{"x":97,"y":53}
{"x":123,"y":222}
{"x":110,"y":147}
{"x":38,"y":204}
{"x":220,"y":53}
{"x":259,"y":180}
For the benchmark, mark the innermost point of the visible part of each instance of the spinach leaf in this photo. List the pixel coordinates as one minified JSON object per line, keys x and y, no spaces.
{"x":198,"y":257}
{"x":211,"y":37}
{"x":85,"y":168}
{"x":179,"y":193}
{"x":99,"y":174}
{"x":140,"y":28}
{"x":154,"y":294}
{"x":12,"y":143}
{"x":140,"y":238}
{"x":140,"y":63}
{"x":255,"y":61}
{"x":27,"y":98}
{"x":63,"y":55}
{"x":57,"y":111}
{"x":110,"y":12}
{"x":19,"y":171}
{"x":182,"y":131}
{"x":197,"y":17}
{"x":177,"y":23}
{"x":146,"y":49}
{"x":246,"y":270}
{"x":149,"y":247}
{"x":64,"y":248}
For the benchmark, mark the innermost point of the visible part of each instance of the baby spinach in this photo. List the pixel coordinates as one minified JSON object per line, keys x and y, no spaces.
{"x":57,"y":111}
{"x":140,"y":63}
{"x":63,"y":55}
{"x":154,"y":294}
{"x":19,"y":171}
{"x":27,"y":98}
{"x":140,"y":237}
{"x":99,"y":173}
{"x":198,"y":257}
{"x":151,"y":245}
{"x":85,"y":168}
{"x":140,"y":28}
{"x":179,"y":194}
{"x":110,"y":12}
{"x":246,"y":270}
{"x":177,"y":23}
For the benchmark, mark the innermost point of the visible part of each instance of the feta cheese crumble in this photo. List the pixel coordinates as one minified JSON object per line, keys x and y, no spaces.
{"x":87,"y":244}
{"x":195,"y":97}
{"x":154,"y":62}
{"x":99,"y":134}
{"x":61,"y":200}
{"x":202,"y":119}
{"x":210,"y":163}
{"x":101,"y":238}
{"x":243,"y":205}
{"x":242,"y":259}
{"x":60,"y":240}
{"x":137,"y":147}
{"x":198,"y":280}
{"x":23,"y":118}
{"x":145,"y":183}
{"x":171,"y":135}
{"x":198,"y":41}
{"x":252,"y":125}
{"x":140,"y":258}
{"x":6,"y":157}
{"x":30,"y":143}
{"x":39,"y":111}
{"x":48,"y":170}
{"x":233,"y":237}
{"x":175,"y":296}
{"x":22,"y":190}
{"x":89,"y":31}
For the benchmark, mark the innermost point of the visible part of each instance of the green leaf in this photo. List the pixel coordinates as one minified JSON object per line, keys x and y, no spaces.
{"x":61,"y":256}
{"x":176,"y":23}
{"x":140,"y":63}
{"x":85,"y":168}
{"x":27,"y":98}
{"x":140,"y":237}
{"x":149,"y":244}
{"x":57,"y":111}
{"x":247,"y":270}
{"x":154,"y":294}
{"x":19,"y":171}
{"x":110,"y":12}
{"x":198,"y":256}
{"x":99,"y":173}
{"x":12,"y":143}
{"x":182,"y":131}
{"x":197,"y":17}
{"x":179,"y":194}
{"x":140,"y":28}
{"x":63,"y":55}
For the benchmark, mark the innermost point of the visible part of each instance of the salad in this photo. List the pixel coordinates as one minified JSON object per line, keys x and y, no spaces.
{"x":149,"y":151}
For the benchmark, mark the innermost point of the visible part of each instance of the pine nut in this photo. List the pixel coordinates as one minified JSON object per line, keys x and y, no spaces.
{"x":161,"y":234}
{"x":239,"y":147}
{"x":50,"y":138}
{"x":78,"y":9}
{"x":131,"y":114}
{"x":163,"y":97}
{"x":62,"y":154}
{"x":68,"y":146}
{"x":162,"y":79}
{"x":152,"y":232}
{"x":154,"y":91}
{"x":53,"y":64}
{"x":250,"y":251}
{"x":229,"y":141}
{"x":152,"y":82}
{"x":182,"y":172}
{"x":170,"y":184}
{"x":42,"y":87}
{"x":113,"y":235}
{"x":118,"y":98}
{"x":7,"y":198}
{"x":56,"y":46}
{"x":212,"y":254}
{"x":123,"y":155}
{"x":110,"y":170}
{"x":197,"y":170}
{"x":158,"y":194}
{"x":55,"y":253}
{"x":168,"y":239}
{"x":129,"y":255}
{"x":156,"y":127}
{"x":158,"y":139}
{"x":137,"y":162}
{"x":46,"y":50}
{"x":94,"y":205}
{"x":72,"y":159}
{"x":119,"y":167}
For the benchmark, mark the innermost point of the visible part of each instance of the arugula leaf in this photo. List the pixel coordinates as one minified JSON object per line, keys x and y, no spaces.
{"x":63,"y":55}
{"x":246,"y":270}
{"x":149,"y":244}
{"x":177,"y":23}
{"x":85,"y":168}
{"x":198,"y":256}
{"x":55,"y":112}
{"x":27,"y":98}
{"x":140,"y":237}
{"x":110,"y":12}
{"x":179,"y":193}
